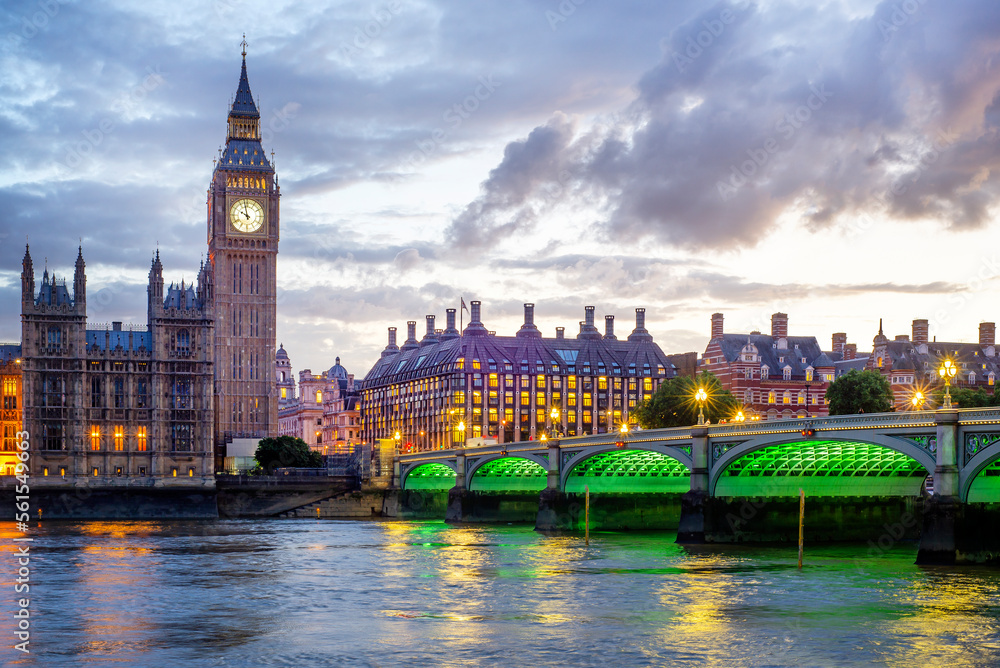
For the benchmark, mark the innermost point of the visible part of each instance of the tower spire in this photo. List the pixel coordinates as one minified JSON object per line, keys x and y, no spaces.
{"x":244,"y":45}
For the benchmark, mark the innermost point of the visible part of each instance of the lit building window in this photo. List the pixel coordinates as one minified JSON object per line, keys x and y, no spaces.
{"x":119,"y":438}
{"x":141,"y":439}
{"x":95,"y":439}
{"x":602,"y":383}
{"x":786,"y":397}
{"x":284,"y":393}
{"x":770,"y":397}
{"x":319,"y":397}
{"x":647,"y":384}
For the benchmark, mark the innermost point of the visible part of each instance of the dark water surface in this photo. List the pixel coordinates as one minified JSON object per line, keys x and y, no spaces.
{"x":321,"y":592}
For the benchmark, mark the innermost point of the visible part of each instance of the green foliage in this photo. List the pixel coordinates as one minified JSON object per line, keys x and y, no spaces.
{"x":860,"y":392}
{"x":285,"y":451}
{"x":966,"y":397}
{"x":674,"y":405}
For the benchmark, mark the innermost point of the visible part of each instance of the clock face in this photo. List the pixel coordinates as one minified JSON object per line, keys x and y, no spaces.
{"x":246,"y":215}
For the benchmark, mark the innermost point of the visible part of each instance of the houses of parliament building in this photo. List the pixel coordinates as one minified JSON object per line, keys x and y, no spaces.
{"x":155,"y":405}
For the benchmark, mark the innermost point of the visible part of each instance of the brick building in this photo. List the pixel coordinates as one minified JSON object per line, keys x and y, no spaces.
{"x":911,"y":362}
{"x":505,"y":387}
{"x":777,"y":375}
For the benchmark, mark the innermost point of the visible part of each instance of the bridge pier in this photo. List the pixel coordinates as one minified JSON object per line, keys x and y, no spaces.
{"x":459,"y":498}
{"x":944,"y":510}
{"x":694,"y":504}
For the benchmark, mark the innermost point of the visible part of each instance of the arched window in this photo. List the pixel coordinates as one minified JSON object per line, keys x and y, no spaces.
{"x":786,"y":397}
{"x":770,"y":397}
{"x":183,"y":341}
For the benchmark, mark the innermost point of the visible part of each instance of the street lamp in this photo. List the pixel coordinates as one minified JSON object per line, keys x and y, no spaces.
{"x":917,"y":400}
{"x":739,"y":417}
{"x":397,"y":437}
{"x":701,"y":396}
{"x":554,"y":417}
{"x":947,"y":371}
{"x":461,"y":431}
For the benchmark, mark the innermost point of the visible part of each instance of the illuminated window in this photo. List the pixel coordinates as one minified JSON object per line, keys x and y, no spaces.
{"x":95,"y":438}
{"x":540,"y":399}
{"x":602,"y":383}
{"x":319,"y":397}
{"x":95,"y":471}
{"x":460,"y":363}
{"x":991,"y":378}
{"x":802,"y":398}
{"x":141,"y":439}
{"x":770,"y":397}
{"x":786,"y":373}
{"x":571,"y":399}
{"x":477,"y":398}
{"x":786,"y":397}
{"x":540,"y":382}
{"x":493,"y":380}
{"x":809,"y":374}
{"x":647,"y":384}
{"x":284,"y":393}
{"x":493,"y":415}
{"x":119,"y":438}
{"x":476,"y":365}
{"x":118,"y":471}
{"x":459,"y":396}
{"x":587,"y":418}
{"x":587,"y":400}
{"x":525,"y":399}
{"x":173,"y":471}
{"x":45,"y":470}
{"x":190,"y":473}
{"x":508,"y":414}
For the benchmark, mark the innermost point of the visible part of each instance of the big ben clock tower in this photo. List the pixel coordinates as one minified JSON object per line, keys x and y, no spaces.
{"x":242,"y":250}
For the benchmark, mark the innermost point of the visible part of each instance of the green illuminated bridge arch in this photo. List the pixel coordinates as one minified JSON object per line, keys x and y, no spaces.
{"x":820,"y":467}
{"x":508,"y":474}
{"x":626,"y":471}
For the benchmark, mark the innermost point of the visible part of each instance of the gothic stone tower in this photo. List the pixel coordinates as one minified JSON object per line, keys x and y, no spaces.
{"x":242,"y":250}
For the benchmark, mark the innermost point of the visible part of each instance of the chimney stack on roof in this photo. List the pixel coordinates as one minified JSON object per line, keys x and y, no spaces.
{"x":475,"y":326}
{"x":850,"y":351}
{"x":839,"y":341}
{"x":779,"y":325}
{"x":640,"y":333}
{"x":528,"y":329}
{"x":609,"y":328}
{"x":919,"y":332}
{"x":716,"y":325}
{"x":450,"y":332}
{"x":987,"y":334}
{"x":587,"y":328}
{"x":411,"y":336}
{"x":560,"y":332}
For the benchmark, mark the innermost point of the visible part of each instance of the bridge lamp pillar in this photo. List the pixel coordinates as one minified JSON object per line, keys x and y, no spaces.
{"x":460,"y":469}
{"x":554,"y":471}
{"x":946,"y":470}
{"x":699,"y":459}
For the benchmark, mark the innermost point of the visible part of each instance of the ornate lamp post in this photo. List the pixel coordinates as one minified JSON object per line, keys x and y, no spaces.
{"x":461,"y":432}
{"x":554,"y":417}
{"x":918,"y":400}
{"x":701,"y":396}
{"x":947,"y":371}
{"x":397,"y":437}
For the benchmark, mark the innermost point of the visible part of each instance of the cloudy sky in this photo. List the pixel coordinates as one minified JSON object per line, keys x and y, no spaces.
{"x":833,"y":160}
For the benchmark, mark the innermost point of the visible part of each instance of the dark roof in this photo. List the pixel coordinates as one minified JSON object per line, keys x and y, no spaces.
{"x":244,"y":154}
{"x":243,"y":104}
{"x":776,"y":359}
{"x":281,"y":354}
{"x":53,"y":292}
{"x":968,"y":356}
{"x":822,"y":361}
{"x":9,"y":352}
{"x":843,"y":366}
{"x":512,"y":354}
{"x":181,"y":297}
{"x":337,"y":371}
{"x":110,"y":339}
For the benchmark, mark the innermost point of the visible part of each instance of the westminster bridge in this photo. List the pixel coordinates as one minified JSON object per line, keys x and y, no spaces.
{"x":932,"y":475}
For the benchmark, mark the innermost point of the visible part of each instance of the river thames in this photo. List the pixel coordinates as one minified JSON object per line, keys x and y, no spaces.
{"x":323,"y":592}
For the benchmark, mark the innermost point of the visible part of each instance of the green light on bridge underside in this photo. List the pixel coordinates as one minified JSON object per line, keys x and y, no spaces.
{"x":986,"y":486}
{"x":431,"y":476}
{"x":822,"y":468}
{"x":509,"y":474}
{"x":629,"y":472}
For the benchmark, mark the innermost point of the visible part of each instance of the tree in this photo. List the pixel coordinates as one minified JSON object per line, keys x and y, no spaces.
{"x":674,"y":403}
{"x":967,"y":397}
{"x":860,"y":392}
{"x":285,"y":451}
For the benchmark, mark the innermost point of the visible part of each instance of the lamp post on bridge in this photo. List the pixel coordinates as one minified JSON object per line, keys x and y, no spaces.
{"x":701,"y":396}
{"x":947,"y":371}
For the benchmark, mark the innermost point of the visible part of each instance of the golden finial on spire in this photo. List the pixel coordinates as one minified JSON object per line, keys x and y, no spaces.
{"x":244,"y":45}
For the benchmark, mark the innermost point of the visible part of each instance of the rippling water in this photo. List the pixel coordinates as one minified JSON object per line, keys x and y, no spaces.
{"x":305,"y":593}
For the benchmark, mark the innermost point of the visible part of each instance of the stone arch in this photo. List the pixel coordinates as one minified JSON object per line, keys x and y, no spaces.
{"x":984,"y":462}
{"x":829,"y":462}
{"x":659,"y":467}
{"x":432,"y":475}
{"x":520,"y":472}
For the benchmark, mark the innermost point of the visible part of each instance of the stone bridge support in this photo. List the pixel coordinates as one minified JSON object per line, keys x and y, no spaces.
{"x":943,"y":512}
{"x":553,"y":503}
{"x":459,"y":496}
{"x":695,"y":502}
